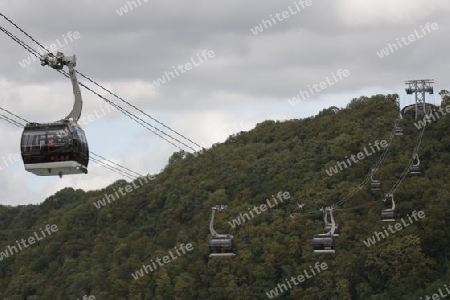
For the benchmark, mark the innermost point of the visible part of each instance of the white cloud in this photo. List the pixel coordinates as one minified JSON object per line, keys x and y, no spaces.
{"x":249,"y":80}
{"x":382,"y":12}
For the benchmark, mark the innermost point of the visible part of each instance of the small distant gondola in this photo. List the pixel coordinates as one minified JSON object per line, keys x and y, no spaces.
{"x":375,"y":185}
{"x":388,"y":215}
{"x":415,"y":168}
{"x":222,"y":245}
{"x":324,"y":243}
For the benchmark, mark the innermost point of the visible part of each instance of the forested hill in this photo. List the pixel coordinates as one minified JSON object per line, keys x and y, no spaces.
{"x":96,"y":252}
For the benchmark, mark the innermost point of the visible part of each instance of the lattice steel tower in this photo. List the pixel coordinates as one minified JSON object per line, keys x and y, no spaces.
{"x":419,"y":88}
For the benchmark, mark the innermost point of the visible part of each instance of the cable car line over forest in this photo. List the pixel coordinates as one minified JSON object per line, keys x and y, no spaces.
{"x":132,"y":116}
{"x":409,"y":165}
{"x":325,"y":243}
{"x":378,"y":165}
{"x":220,"y":244}
{"x":371,"y":173}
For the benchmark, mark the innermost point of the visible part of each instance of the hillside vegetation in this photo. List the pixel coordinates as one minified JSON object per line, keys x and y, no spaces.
{"x":95,"y":251}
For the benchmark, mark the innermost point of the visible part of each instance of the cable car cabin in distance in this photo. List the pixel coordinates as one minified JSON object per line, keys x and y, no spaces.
{"x":50,"y":149}
{"x":222,"y":245}
{"x":388,"y":215}
{"x":398,"y":131}
{"x":415,"y":169}
{"x":375,"y":185}
{"x":323,"y":243}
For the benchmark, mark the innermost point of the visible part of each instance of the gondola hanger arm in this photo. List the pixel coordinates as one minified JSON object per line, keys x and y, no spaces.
{"x":58,"y":62}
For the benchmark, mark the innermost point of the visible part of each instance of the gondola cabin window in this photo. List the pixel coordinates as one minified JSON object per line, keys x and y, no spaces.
{"x":33,"y":141}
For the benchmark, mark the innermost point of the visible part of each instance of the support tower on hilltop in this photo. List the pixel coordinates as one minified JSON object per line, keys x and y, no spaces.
{"x":418,"y":88}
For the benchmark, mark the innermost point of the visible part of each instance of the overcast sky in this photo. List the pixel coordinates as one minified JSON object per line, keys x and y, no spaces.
{"x":246,"y":79}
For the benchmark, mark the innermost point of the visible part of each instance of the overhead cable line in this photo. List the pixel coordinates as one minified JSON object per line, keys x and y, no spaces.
{"x":407,"y":168}
{"x":401,"y":177}
{"x":124,"y":111}
{"x":13,"y":114}
{"x":106,"y":166}
{"x":113,"y":163}
{"x":139,"y":110}
{"x":11,"y":121}
{"x":369,"y":175}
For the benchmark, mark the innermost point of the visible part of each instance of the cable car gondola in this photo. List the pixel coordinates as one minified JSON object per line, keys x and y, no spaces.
{"x":324,"y":243}
{"x":388,"y":215}
{"x":220,"y":244}
{"x":54,"y":149}
{"x":398,"y":131}
{"x":375,"y":185}
{"x":58,"y":148}
{"x":415,"y":168}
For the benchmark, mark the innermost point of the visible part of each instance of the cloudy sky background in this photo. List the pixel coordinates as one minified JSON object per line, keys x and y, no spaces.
{"x":249,"y":80}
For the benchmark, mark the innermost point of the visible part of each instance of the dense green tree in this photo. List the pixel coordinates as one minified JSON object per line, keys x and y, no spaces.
{"x":95,"y":251}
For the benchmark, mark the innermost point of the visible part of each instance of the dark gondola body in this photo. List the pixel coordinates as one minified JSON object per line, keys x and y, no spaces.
{"x":415,"y":169}
{"x":375,"y":185}
{"x":222,"y":245}
{"x":388,"y":215}
{"x":398,"y":131}
{"x":323,"y":243}
{"x":50,"y":149}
